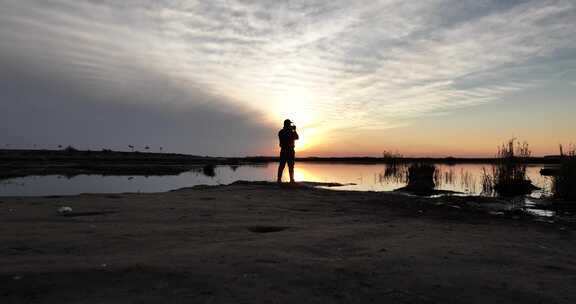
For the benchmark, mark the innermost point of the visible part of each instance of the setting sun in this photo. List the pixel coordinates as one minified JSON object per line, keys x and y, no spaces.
{"x":309,"y":138}
{"x":302,"y":143}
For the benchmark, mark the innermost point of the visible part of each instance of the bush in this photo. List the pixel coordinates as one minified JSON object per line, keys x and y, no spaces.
{"x":564,"y":185}
{"x":422,"y":177}
{"x":70,"y":149}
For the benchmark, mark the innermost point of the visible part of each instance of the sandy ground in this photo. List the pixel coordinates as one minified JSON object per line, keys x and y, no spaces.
{"x":260,"y":243}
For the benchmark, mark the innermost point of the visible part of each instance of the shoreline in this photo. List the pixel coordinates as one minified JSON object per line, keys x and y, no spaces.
{"x":260,"y":242}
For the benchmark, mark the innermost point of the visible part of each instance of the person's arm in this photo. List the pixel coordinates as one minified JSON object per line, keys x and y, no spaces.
{"x":295,"y":135}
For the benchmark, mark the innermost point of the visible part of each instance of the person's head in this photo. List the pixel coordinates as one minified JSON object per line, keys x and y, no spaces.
{"x":287,"y":123}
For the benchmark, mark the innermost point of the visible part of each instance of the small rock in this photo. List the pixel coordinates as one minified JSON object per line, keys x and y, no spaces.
{"x":64,"y":210}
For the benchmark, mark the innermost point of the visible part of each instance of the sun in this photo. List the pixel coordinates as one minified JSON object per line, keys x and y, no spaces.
{"x":302,"y":143}
{"x":305,"y":133}
{"x":301,"y":175}
{"x":296,"y":104}
{"x":308,"y":138}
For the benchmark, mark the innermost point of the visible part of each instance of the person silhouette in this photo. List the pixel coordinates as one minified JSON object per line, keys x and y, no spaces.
{"x":287,"y":136}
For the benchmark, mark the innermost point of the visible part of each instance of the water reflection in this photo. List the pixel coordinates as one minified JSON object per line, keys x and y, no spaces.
{"x":536,"y":208}
{"x":210,"y":170}
{"x":396,"y":173}
{"x":465,"y":178}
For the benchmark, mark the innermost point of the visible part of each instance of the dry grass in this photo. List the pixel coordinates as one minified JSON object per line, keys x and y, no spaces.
{"x":508,"y":176}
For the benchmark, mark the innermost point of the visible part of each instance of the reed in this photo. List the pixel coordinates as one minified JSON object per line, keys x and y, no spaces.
{"x":395,"y":167}
{"x":487,"y":183}
{"x":393,"y":173}
{"x":392,"y":158}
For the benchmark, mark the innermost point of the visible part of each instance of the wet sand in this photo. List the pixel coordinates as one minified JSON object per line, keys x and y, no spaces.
{"x":260,"y":243}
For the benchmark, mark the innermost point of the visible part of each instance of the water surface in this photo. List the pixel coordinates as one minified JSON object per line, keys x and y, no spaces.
{"x":465,"y":178}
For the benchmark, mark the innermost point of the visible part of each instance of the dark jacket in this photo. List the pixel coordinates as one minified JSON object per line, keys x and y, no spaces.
{"x":287,"y":136}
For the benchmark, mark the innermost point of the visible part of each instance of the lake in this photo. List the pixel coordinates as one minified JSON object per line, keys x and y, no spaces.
{"x":464,"y":178}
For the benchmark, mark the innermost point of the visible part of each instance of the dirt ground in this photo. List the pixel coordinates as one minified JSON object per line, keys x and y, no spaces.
{"x":261,"y":243}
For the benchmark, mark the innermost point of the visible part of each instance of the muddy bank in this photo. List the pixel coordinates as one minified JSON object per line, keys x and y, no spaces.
{"x":261,"y":243}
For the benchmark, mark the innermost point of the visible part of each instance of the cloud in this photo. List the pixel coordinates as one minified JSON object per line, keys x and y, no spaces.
{"x":46,"y":112}
{"x":331,"y":65}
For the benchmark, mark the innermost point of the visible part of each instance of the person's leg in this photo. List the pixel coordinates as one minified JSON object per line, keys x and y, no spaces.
{"x":281,"y":166}
{"x":291,"y":171}
{"x":291,"y":166}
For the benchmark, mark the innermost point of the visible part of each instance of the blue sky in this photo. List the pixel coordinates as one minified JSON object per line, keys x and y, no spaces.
{"x":438,"y":77}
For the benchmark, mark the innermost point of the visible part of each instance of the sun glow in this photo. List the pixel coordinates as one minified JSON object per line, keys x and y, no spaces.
{"x":309,"y":138}
{"x":301,"y":175}
{"x":294,"y":104}
{"x":302,"y":143}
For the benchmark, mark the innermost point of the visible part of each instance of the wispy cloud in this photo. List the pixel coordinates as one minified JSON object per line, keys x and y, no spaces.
{"x":331,"y":64}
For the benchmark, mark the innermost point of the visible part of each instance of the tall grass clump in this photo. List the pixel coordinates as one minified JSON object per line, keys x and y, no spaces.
{"x":395,"y":169}
{"x":564,"y":185}
{"x":392,"y":159}
{"x":509,"y":172}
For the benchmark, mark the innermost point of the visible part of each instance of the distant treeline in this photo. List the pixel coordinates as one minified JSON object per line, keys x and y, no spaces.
{"x":67,"y":155}
{"x":381,"y":160}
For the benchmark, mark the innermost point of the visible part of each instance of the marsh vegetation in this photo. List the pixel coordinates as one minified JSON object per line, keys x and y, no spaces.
{"x":508,"y":175}
{"x":564,"y":186}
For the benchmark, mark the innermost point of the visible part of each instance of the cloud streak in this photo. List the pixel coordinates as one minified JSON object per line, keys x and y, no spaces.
{"x":330,"y":65}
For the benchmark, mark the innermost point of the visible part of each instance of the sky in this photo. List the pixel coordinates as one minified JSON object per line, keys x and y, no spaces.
{"x":218,"y":77}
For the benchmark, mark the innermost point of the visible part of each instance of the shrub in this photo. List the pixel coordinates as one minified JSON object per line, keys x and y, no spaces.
{"x":70,"y":149}
{"x":564,"y":185}
{"x":422,"y":177}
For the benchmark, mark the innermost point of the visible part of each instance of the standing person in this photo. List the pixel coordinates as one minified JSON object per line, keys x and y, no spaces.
{"x":287,"y":136}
